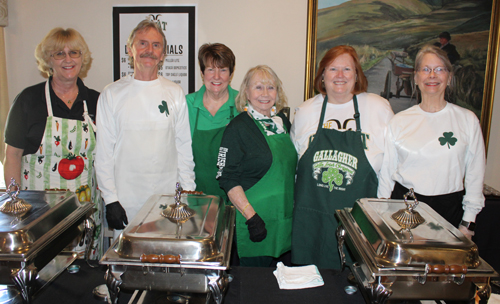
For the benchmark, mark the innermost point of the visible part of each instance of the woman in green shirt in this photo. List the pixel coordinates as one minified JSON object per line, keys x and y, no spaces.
{"x":210,"y":110}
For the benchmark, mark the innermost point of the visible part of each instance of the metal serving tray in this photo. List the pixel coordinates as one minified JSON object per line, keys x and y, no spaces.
{"x":435,"y":241}
{"x":31,"y":243}
{"x":432,"y":261}
{"x":52,"y":212}
{"x":199,"y":239}
{"x":202,"y":242}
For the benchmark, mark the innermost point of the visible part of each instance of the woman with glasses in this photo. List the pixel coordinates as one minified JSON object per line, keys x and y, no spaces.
{"x":50,"y":131}
{"x":436,"y":148}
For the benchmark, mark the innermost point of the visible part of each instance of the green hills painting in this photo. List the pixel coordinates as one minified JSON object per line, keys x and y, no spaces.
{"x":375,"y":28}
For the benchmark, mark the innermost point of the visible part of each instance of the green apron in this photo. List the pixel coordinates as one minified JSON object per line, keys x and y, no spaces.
{"x":206,"y":145}
{"x":332,"y":174}
{"x":272,"y":198}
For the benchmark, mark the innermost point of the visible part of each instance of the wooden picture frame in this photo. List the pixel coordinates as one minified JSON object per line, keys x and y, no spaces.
{"x":414,"y":39}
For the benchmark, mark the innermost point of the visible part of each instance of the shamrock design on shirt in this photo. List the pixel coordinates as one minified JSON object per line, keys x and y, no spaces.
{"x":447,"y":139}
{"x":332,"y":175}
{"x":163,"y":108}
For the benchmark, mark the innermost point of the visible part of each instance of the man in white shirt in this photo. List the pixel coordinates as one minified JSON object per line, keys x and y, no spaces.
{"x":144,"y":140}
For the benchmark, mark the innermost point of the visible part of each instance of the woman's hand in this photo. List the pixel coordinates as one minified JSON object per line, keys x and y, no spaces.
{"x":256,"y":228}
{"x":239,"y":199}
{"x":466,"y":231}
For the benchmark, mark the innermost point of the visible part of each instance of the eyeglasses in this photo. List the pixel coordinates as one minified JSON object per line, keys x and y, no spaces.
{"x":62,"y":54}
{"x":437,"y":70}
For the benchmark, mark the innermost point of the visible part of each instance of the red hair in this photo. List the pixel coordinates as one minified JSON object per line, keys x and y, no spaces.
{"x":361,"y":84}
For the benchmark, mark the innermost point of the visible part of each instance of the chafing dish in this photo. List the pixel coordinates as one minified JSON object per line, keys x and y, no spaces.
{"x":32,"y":241}
{"x":430,"y":260}
{"x":161,"y":251}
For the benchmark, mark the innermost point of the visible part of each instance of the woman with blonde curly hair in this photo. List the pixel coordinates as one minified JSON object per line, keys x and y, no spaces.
{"x":257,"y":169}
{"x":49,"y":133}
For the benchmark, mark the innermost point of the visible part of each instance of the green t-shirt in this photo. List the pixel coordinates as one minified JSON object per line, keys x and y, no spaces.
{"x":205,"y":120}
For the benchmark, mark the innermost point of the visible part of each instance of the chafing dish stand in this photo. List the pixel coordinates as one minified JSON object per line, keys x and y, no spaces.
{"x":32,"y":242}
{"x":431,"y":260}
{"x":188,"y":254}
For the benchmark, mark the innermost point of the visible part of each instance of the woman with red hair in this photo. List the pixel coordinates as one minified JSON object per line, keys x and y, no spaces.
{"x":339,"y":136}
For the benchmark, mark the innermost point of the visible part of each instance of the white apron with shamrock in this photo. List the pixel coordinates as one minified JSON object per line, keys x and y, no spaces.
{"x":65,"y":160}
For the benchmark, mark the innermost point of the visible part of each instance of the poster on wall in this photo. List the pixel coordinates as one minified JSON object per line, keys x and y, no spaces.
{"x":178,"y":24}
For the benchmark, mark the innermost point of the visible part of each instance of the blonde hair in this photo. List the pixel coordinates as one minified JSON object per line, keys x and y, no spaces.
{"x":56,"y":40}
{"x":269,"y":77}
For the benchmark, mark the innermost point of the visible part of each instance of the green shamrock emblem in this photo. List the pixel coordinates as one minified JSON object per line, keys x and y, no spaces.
{"x":332,"y":175}
{"x":448,"y":139}
{"x":164,"y":108}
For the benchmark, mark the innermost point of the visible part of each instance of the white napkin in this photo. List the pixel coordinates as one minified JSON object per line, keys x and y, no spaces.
{"x":298,"y":277}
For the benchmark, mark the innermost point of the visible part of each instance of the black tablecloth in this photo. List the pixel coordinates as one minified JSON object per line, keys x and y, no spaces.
{"x":487,"y":235}
{"x":249,"y":286}
{"x":258,"y":285}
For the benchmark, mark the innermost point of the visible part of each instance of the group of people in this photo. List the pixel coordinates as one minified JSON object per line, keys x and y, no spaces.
{"x":286,"y":180}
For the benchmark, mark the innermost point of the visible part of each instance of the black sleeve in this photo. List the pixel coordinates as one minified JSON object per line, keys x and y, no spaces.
{"x":26,"y":120}
{"x":244,"y":155}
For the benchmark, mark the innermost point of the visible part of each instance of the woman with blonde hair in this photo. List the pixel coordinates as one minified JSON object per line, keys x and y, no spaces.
{"x":257,"y":167}
{"x":50,"y":131}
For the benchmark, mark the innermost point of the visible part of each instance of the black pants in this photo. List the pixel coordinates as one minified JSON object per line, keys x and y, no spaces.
{"x":448,"y":206}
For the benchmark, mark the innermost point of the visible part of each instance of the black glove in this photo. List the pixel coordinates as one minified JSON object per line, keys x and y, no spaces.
{"x":116,"y":216}
{"x":257,"y":228}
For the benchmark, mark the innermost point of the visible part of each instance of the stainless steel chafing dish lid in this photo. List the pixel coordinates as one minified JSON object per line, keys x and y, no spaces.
{"x":51,"y":213}
{"x":199,"y":239}
{"x":433,"y":242}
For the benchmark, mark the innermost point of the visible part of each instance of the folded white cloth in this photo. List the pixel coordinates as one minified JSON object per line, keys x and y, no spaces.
{"x":298,"y":277}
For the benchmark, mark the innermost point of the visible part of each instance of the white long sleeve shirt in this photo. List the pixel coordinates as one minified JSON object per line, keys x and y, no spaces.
{"x":143,"y":141}
{"x":436,"y":153}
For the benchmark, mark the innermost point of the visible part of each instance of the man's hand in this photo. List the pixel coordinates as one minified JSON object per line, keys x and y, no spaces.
{"x":116,"y":216}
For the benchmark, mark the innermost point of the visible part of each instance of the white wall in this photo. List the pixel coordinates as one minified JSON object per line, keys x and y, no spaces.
{"x":258,"y":32}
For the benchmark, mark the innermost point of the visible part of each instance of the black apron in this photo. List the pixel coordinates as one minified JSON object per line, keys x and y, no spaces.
{"x":332,"y":174}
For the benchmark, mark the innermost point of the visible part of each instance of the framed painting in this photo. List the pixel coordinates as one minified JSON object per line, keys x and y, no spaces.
{"x":387,"y":35}
{"x":178,"y":24}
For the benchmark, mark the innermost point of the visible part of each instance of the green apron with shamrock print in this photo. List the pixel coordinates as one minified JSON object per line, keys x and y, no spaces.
{"x":65,"y":160}
{"x":332,"y":174}
{"x":272,"y":198}
{"x":206,"y":145}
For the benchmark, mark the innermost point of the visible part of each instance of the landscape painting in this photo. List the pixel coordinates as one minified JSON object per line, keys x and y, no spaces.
{"x":387,"y":34}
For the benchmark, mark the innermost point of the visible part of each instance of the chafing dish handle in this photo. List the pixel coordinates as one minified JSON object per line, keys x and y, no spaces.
{"x":155,"y":258}
{"x":453,"y":269}
{"x":439,"y":269}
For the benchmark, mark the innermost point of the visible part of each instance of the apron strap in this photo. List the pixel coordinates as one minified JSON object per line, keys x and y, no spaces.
{"x":47,"y":98}
{"x":356,"y":114}
{"x":86,"y":116}
{"x":322,"y":115}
